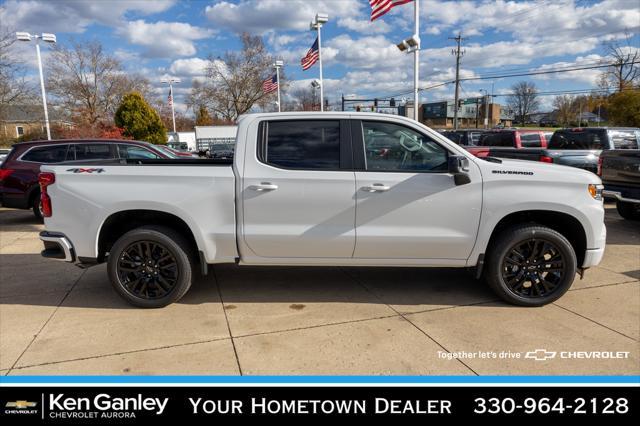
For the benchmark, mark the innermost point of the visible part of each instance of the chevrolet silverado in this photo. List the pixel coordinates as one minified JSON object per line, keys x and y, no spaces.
{"x":332,"y":188}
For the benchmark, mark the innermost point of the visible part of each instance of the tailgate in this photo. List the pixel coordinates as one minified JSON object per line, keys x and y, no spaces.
{"x":621,"y":167}
{"x":582,"y":159}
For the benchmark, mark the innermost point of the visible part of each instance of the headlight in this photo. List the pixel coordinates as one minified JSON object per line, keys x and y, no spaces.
{"x":596,"y":191}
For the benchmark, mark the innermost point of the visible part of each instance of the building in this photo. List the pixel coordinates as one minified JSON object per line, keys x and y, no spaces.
{"x":19,"y":120}
{"x":213,"y":137}
{"x":471,"y":114}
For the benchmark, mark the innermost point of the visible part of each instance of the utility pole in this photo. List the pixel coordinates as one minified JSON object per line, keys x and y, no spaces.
{"x":458,"y":53}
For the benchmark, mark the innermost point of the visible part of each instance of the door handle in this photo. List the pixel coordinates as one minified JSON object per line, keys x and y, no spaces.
{"x":264,"y":186}
{"x":376,"y":187}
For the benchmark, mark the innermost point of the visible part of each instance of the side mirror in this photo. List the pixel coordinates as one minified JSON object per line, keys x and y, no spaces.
{"x":458,"y":166}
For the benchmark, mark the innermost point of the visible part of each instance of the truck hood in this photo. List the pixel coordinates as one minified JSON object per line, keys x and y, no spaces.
{"x":539,"y":171}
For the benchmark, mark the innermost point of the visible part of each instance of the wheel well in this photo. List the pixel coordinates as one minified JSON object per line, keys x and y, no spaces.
{"x":563,"y":223}
{"x":122,"y":222}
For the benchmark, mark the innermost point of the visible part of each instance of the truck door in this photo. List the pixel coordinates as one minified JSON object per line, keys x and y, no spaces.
{"x":408,"y":206}
{"x":298,"y":191}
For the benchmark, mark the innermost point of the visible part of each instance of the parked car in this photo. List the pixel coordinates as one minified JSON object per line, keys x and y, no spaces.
{"x":305,"y":189}
{"x":464,"y":137}
{"x":19,"y":172}
{"x":494,"y":141}
{"x":3,"y":154}
{"x":577,"y":147}
{"x":620,"y":173}
{"x":171,"y":152}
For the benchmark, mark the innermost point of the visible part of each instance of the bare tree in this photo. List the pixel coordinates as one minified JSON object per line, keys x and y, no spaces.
{"x":565,"y":106}
{"x":14,"y":88}
{"x":234,"y":83}
{"x":89,"y":82}
{"x":523,"y":100}
{"x":304,"y":99}
{"x":625,"y":69}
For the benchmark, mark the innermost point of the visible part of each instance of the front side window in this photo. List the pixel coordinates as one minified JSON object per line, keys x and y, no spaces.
{"x":93,"y":151}
{"x":391,"y":147}
{"x":303,"y":144}
{"x":46,"y":154}
{"x":134,"y":152}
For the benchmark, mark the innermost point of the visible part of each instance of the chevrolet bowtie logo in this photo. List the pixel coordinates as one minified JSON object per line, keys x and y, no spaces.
{"x":540,"y":355}
{"x":21,"y":405}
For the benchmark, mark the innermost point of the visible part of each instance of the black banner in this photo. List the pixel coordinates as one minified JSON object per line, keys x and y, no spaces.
{"x":200,"y":405}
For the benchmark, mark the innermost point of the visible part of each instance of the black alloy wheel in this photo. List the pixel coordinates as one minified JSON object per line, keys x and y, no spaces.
{"x":530,"y":265}
{"x":151,"y":266}
{"x":147,"y":270}
{"x":533,"y":268}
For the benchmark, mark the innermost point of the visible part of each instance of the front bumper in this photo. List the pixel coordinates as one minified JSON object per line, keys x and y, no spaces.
{"x":57,"y":246}
{"x":592,"y":257}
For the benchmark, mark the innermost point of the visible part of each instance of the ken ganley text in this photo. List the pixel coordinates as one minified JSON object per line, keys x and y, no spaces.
{"x":319,"y":406}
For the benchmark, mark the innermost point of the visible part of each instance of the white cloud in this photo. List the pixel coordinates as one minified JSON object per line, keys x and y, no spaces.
{"x":73,"y":16}
{"x":191,"y":67}
{"x":164,"y":39}
{"x":263,"y":16}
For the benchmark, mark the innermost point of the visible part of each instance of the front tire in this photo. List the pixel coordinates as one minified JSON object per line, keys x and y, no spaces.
{"x":629,"y":211}
{"x":150,"y":267}
{"x":530,"y":265}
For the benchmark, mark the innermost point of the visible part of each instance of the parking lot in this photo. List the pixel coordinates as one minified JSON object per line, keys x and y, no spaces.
{"x":58,"y":319}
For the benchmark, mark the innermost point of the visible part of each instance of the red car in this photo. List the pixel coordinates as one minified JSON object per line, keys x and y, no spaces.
{"x":508,"y":138}
{"x":19,"y":171}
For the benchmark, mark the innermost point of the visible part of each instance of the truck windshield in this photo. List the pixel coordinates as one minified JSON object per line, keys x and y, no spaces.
{"x":577,"y":140}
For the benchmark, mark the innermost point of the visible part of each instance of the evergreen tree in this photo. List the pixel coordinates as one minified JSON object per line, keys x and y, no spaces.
{"x":139,"y":120}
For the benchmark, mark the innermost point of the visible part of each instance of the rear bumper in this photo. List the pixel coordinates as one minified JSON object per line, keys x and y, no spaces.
{"x":620,"y":194}
{"x":14,"y":201}
{"x":57,"y":246}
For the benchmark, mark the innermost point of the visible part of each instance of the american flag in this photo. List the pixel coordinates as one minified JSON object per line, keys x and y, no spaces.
{"x":170,"y":97}
{"x":380,"y":7}
{"x":270,"y":84}
{"x":311,"y":57}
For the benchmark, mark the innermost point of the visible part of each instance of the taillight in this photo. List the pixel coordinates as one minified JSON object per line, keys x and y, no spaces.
{"x":599,"y":171}
{"x":45,"y":179}
{"x":5,"y":173}
{"x":546,"y":159}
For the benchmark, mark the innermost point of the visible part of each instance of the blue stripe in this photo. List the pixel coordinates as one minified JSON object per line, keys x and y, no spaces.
{"x":322,"y":379}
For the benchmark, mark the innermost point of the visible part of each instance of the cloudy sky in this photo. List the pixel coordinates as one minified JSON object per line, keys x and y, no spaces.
{"x":160,"y":37}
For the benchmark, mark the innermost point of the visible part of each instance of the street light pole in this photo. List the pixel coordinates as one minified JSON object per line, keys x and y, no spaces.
{"x":49,"y":38}
{"x":416,"y":60}
{"x":316,"y":24}
{"x":278,"y":65}
{"x":171,"y":81}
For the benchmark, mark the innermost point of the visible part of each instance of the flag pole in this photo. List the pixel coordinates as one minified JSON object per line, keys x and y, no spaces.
{"x":416,"y":60}
{"x":320,"y":61}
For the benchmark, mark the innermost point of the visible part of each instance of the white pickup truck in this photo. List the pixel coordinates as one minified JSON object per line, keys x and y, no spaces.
{"x":345,"y":189}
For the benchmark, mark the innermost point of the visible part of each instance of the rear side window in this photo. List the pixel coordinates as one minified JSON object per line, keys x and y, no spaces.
{"x":93,"y":151}
{"x":46,"y":154}
{"x":624,"y":139}
{"x":496,"y":139}
{"x":576,"y":140}
{"x":303,"y":144}
{"x":530,"y":140}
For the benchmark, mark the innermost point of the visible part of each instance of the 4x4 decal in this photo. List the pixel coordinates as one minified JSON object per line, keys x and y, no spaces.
{"x":80,"y":170}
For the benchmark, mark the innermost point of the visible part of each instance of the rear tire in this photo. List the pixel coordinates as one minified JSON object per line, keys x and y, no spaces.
{"x":530,"y":265}
{"x":151,"y":266}
{"x":629,"y":211}
{"x":36,"y":206}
